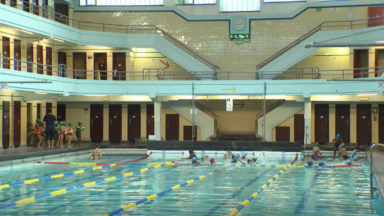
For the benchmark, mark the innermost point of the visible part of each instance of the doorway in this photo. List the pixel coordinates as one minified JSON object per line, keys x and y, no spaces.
{"x":364,"y":126}
{"x":115,"y":122}
{"x":16,"y":123}
{"x":150,"y":120}
{"x":97,"y":122}
{"x":17,"y":54}
{"x":343,"y":121}
{"x":282,"y":134}
{"x":119,"y":66}
{"x":100,"y":66}
{"x":79,"y":65}
{"x":49,"y":60}
{"x":35,"y":7}
{"x":299,"y":128}
{"x":61,"y":112}
{"x":29,"y":119}
{"x":6,"y":51}
{"x":13,"y":3}
{"x":38,"y":111}
{"x":48,"y":106}
{"x":381,"y":123}
{"x":62,"y":60}
{"x":360,"y":60}
{"x":188,"y":133}
{"x":6,"y":122}
{"x":376,"y":12}
{"x":172,"y":127}
{"x":39,"y":59}
{"x":322,"y":123}
{"x":30,"y":57}
{"x":379,"y":59}
{"x":61,"y":14}
{"x":134,"y":122}
{"x":45,"y":8}
{"x":26,"y":6}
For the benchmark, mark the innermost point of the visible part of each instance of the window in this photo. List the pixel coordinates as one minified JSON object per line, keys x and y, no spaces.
{"x":120,"y":2}
{"x":196,"y":2}
{"x":239,"y":5}
{"x":282,"y":1}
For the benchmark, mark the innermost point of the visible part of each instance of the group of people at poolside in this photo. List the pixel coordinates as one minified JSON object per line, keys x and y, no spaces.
{"x":228,"y":155}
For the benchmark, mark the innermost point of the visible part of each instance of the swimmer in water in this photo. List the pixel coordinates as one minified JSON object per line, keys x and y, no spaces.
{"x":206,"y":157}
{"x":316,"y":152}
{"x":251,"y":161}
{"x":321,"y":164}
{"x":212,"y":160}
{"x":96,"y":154}
{"x":343,"y":152}
{"x":236,"y":159}
{"x":194,"y":161}
{"x":191,"y":155}
{"x":302,"y":159}
{"x":228,"y":155}
{"x":310,"y":164}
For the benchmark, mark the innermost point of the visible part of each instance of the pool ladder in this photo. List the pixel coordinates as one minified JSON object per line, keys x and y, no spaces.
{"x":372,"y":189}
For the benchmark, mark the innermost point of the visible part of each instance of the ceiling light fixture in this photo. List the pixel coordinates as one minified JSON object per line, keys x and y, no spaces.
{"x":58,"y":40}
{"x":9,"y":90}
{"x":27,"y":32}
{"x":95,"y":95}
{"x":42,"y":93}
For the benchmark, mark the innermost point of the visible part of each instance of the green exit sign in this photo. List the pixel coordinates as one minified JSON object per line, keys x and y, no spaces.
{"x":319,"y":9}
{"x":239,"y":36}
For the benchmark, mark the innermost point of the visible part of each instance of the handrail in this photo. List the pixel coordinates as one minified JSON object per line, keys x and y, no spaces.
{"x":269,"y":108}
{"x":47,"y":11}
{"x":371,"y":169}
{"x":312,"y":32}
{"x":207,"y":109}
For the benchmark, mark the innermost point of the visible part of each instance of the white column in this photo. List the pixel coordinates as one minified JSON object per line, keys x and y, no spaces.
{"x":157,"y":107}
{"x":307,"y":119}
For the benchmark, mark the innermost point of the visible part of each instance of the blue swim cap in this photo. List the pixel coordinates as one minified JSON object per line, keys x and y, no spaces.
{"x":302,"y":157}
{"x":238,"y":156}
{"x":337,"y":135}
{"x":306,"y":154}
{"x":354,"y":158}
{"x":310,"y":163}
{"x":328,"y":155}
{"x":349,"y":162}
{"x":321,"y":164}
{"x":342,"y":144}
{"x":194,"y":159}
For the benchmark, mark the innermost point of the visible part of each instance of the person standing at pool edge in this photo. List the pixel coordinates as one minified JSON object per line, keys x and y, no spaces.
{"x":337,"y":141}
{"x":78,"y":133}
{"x":50,"y":120}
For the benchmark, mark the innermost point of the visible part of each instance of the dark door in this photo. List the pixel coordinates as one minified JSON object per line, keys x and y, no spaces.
{"x":360,"y":60}
{"x":321,"y":123}
{"x":61,"y":15}
{"x":379,"y":61}
{"x":6,"y":122}
{"x":188,"y":133}
{"x":26,"y":6}
{"x":17,"y":123}
{"x":150,"y":120}
{"x":2,"y":1}
{"x":115,"y":123}
{"x":35,"y":7}
{"x":48,"y":106}
{"x":38,"y":111}
{"x":62,"y":60}
{"x":49,"y":60}
{"x":376,"y":12}
{"x":61,"y":113}
{"x":381,"y":123}
{"x":13,"y":3}
{"x":79,"y":65}
{"x":39,"y":59}
{"x":299,"y":128}
{"x":343,"y":122}
{"x":364,"y":130}
{"x":282,"y":134}
{"x":29,"y":119}
{"x":100,"y":66}
{"x":96,"y":122}
{"x":30,"y":57}
{"x":134,"y":122}
{"x":6,"y":50}
{"x":17,"y":54}
{"x":172,"y":127}
{"x":119,"y":66}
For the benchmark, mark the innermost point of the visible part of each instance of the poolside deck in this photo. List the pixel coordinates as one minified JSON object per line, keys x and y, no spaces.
{"x":378,"y":161}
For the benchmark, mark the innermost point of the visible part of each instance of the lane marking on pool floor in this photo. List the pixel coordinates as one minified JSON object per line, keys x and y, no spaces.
{"x":253,"y":196}
{"x":154,"y":196}
{"x":77,"y":187}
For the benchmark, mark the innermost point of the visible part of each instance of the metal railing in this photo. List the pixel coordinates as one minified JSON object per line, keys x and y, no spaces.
{"x":270,"y":108}
{"x":49,"y":13}
{"x":325,"y":26}
{"x":159,"y":74}
{"x":371,"y":173}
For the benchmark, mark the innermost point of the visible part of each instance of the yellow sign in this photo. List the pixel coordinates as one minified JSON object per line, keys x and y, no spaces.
{"x":151,"y":137}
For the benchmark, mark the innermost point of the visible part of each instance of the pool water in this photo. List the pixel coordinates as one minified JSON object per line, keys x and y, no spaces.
{"x":298,"y":191}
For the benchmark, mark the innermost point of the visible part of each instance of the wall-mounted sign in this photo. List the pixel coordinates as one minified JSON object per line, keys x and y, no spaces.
{"x":239,"y":36}
{"x":151,"y":137}
{"x":333,"y":10}
{"x":229,"y":105}
{"x":318,"y":9}
{"x":374,"y":110}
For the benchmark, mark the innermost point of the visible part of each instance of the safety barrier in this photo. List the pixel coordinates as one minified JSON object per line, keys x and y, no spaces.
{"x":77,"y":187}
{"x":246,"y":202}
{"x":154,"y":196}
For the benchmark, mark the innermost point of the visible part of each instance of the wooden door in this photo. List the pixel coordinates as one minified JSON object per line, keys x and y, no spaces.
{"x":322,"y":123}
{"x":97,"y":122}
{"x":6,"y":124}
{"x":100,"y":66}
{"x":299,"y":128}
{"x":49,"y":60}
{"x":188,"y":133}
{"x":29,"y":119}
{"x":79,"y":65}
{"x":134,"y":122}
{"x":35,"y":7}
{"x":38,"y":111}
{"x":62,"y":60}
{"x":150,"y":120}
{"x":376,"y":12}
{"x":26,"y":6}
{"x":17,"y":123}
{"x":364,"y":126}
{"x":17,"y":54}
{"x":2,"y":1}
{"x":61,"y":113}
{"x":115,"y":122}
{"x":13,"y":3}
{"x":61,"y":14}
{"x":30,"y":57}
{"x":360,"y":60}
{"x":48,"y":106}
{"x":381,"y":123}
{"x":379,"y":59}
{"x":172,"y":127}
{"x":282,"y":134}
{"x":40,"y":59}
{"x":119,"y":66}
{"x":343,"y":122}
{"x":6,"y":51}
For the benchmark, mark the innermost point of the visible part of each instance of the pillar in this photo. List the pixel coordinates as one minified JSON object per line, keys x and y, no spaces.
{"x":106,"y":122}
{"x":90,"y":66}
{"x":23,"y":124}
{"x":124,"y":137}
{"x":109,"y":65}
{"x":143,"y":120}
{"x":157,"y":107}
{"x":307,"y":119}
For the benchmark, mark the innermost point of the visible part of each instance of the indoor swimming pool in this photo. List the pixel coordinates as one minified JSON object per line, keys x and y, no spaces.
{"x":298,"y":191}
